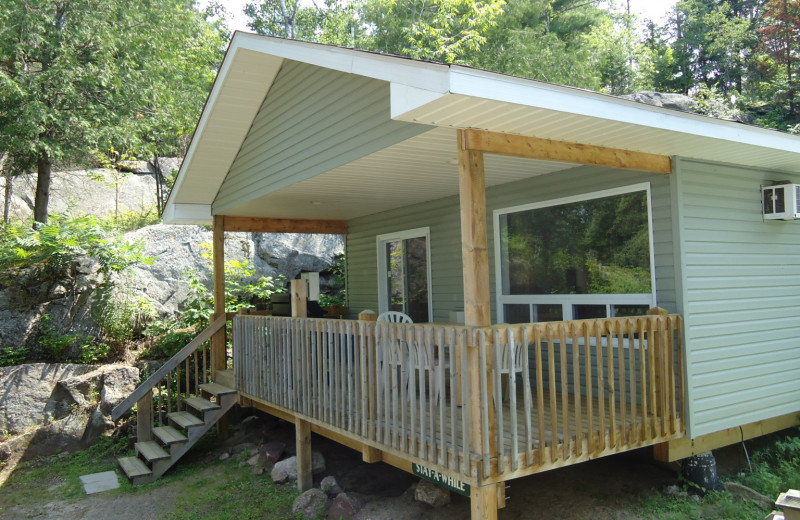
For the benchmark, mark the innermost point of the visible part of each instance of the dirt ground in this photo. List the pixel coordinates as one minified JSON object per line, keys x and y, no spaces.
{"x":610,"y":488}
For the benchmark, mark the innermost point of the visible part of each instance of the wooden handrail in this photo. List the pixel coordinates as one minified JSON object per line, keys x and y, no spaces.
{"x":127,"y":403}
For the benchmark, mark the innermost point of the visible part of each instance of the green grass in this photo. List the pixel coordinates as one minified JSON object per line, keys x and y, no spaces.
{"x":209,"y":489}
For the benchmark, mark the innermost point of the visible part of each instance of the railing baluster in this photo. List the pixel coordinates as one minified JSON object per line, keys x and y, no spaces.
{"x":576,"y":386}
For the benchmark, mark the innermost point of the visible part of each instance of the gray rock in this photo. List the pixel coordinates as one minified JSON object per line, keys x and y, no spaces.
{"x":330,"y":486}
{"x":431,"y":494}
{"x":273,"y":451}
{"x":289,"y":254}
{"x":345,"y":506}
{"x":311,"y":504}
{"x":28,"y":394}
{"x":317,"y":462}
{"x":738,"y":490}
{"x":663,"y":99}
{"x":286,"y":469}
{"x":90,"y":192}
{"x":61,"y":407}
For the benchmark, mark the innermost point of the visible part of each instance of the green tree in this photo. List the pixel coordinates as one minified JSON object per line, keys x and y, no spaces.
{"x":781,"y":40}
{"x":74,"y":77}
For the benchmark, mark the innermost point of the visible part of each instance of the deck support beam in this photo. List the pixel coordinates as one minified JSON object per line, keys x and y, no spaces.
{"x":219,"y":341}
{"x":477,"y":308}
{"x":305,"y":468}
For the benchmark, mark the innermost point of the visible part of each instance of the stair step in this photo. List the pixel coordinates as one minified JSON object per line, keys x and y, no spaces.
{"x":217,"y":389}
{"x":185,"y":420}
{"x":134,"y":468}
{"x":169,"y":435}
{"x":201,"y":405}
{"x":151,"y":451}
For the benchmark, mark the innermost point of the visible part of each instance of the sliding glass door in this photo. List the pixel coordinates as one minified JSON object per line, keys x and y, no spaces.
{"x":404,"y":274}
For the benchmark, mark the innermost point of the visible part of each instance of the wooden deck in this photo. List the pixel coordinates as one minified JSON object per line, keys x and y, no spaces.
{"x":606,"y":386}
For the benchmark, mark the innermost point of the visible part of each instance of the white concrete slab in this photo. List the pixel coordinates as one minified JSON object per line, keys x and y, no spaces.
{"x":97,"y":482}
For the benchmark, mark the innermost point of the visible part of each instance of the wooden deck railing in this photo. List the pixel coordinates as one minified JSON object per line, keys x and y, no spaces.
{"x":582,"y":388}
{"x":163,"y":392}
{"x":548,"y":394}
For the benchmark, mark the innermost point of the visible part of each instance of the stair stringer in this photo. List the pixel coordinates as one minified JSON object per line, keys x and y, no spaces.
{"x":194,"y":434}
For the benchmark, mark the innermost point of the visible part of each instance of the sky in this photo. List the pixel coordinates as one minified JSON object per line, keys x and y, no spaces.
{"x":653,"y":9}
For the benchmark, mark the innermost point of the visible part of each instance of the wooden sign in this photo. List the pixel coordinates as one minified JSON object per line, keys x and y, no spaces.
{"x":446,"y":481}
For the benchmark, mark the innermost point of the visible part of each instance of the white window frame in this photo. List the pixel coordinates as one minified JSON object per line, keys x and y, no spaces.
{"x":383,"y":275}
{"x":567,"y":301}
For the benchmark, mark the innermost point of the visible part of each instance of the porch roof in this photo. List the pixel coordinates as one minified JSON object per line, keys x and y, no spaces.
{"x":422,"y":165}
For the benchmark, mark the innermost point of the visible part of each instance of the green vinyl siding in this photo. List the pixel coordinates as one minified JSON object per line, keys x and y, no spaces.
{"x":340,"y":117}
{"x":443,"y":218}
{"x":741,"y":298}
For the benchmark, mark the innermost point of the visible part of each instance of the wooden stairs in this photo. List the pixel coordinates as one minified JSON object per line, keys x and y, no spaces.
{"x":169,"y":443}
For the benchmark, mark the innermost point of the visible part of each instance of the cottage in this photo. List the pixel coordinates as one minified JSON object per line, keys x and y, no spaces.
{"x":586,"y":275}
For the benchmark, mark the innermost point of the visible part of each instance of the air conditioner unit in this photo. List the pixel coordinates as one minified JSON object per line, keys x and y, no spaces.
{"x":781,"y":202}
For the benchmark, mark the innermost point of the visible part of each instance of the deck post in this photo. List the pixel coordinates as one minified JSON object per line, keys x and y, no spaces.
{"x":299,"y":297}
{"x":219,"y":340}
{"x":477,"y":309}
{"x":305,"y":468}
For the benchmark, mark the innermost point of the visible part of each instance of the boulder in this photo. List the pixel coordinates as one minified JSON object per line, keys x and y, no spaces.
{"x":431,"y":494}
{"x":273,"y":451}
{"x":60,"y":407}
{"x":27,"y":391}
{"x":345,"y":506}
{"x":311,"y":504}
{"x":92,"y":192}
{"x":286,"y":469}
{"x":663,"y":99}
{"x":330,"y":486}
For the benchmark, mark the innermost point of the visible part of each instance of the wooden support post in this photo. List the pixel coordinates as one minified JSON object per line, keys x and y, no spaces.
{"x":219,"y":341}
{"x":305,"y":476}
{"x":483,"y":502}
{"x":299,"y":295}
{"x":144,"y":418}
{"x":477,"y":308}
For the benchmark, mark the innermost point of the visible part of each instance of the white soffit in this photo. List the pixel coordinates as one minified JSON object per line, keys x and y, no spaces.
{"x":499,"y":103}
{"x":417,"y":170}
{"x":234,"y":101}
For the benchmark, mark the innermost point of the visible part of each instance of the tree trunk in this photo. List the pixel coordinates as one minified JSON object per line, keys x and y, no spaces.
{"x":44,"y":168}
{"x":9,"y":188}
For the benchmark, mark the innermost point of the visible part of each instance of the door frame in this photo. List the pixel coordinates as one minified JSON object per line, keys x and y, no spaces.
{"x":383,"y":285}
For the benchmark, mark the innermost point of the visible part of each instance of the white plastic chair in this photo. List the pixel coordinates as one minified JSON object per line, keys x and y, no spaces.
{"x":504,"y":367}
{"x":394,"y":317}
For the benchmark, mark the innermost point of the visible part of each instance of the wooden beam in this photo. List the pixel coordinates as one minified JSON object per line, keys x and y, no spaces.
{"x":562,"y":151}
{"x":483,"y":502}
{"x":681,"y":448}
{"x":299,"y":294}
{"x":219,"y":347}
{"x":285,"y":225}
{"x":305,"y":476}
{"x":477,"y":308}
{"x":474,"y":241}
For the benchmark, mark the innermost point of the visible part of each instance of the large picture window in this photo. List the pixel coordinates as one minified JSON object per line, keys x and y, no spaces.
{"x":576,"y":258}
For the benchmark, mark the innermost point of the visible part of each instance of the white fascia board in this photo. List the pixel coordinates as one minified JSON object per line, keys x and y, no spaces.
{"x":394,"y":69}
{"x":187,"y":214}
{"x":405,"y":99}
{"x":520,"y":91}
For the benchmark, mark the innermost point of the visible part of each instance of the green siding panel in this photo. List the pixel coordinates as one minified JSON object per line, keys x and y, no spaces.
{"x":741,"y":283}
{"x":294,"y":139}
{"x":443,"y":218}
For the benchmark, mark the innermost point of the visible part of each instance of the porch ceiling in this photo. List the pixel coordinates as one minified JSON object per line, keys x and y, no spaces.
{"x":419,"y":169}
